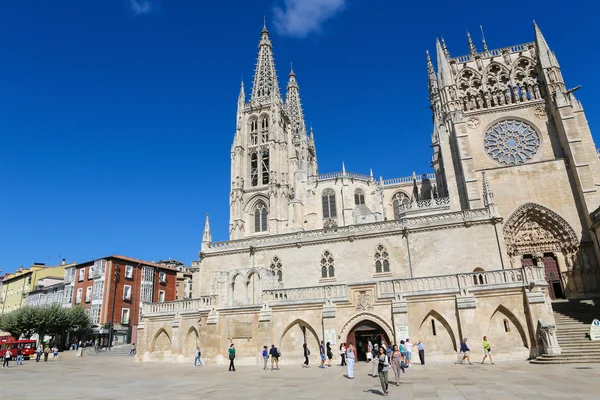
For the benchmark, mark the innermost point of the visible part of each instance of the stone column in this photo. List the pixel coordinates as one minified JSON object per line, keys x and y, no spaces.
{"x":468,"y":325}
{"x":175,"y":339}
{"x":329,"y":329}
{"x":400,"y":320}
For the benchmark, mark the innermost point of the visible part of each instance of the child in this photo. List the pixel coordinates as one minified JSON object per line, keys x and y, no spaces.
{"x":55,"y":352}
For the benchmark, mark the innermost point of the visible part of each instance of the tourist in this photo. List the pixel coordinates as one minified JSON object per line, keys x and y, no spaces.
{"x":403,"y":351}
{"x":55,"y":353}
{"x":466,"y":352}
{"x":382,"y":370}
{"x":38,"y":353}
{"x":369,"y":351}
{"x":265,"y":356}
{"x":487,"y":350}
{"x":197,"y":356}
{"x":421,"y":348}
{"x":306,"y":354}
{"x":375,"y":360}
{"x":322,"y":354}
{"x":231,"y":357}
{"x":133,"y":351}
{"x":46,"y":352}
{"x":19,"y":356}
{"x":351,"y":357}
{"x":7,"y":357}
{"x":329,"y":354}
{"x":343,"y":354}
{"x":409,"y":347}
{"x":388,"y":352}
{"x":274,"y":353}
{"x":396,"y":361}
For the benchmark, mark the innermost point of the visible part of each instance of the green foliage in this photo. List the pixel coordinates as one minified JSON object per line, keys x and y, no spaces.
{"x":53,"y":320}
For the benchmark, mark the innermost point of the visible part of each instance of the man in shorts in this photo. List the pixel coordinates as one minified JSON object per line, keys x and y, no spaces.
{"x":274,"y":353}
{"x":409,"y":347}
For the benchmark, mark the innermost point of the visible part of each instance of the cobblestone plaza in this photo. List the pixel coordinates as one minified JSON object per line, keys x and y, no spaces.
{"x":120,"y":378}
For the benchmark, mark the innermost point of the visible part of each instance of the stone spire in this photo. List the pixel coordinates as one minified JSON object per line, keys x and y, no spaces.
{"x":265,"y":76}
{"x":488,"y":194}
{"x":444,"y":72}
{"x":240,"y":106}
{"x":446,"y":52}
{"x":294,"y":106}
{"x":472,"y":48}
{"x":433,"y":86}
{"x":206,"y":236}
{"x":485,"y":46}
{"x":547,"y":57}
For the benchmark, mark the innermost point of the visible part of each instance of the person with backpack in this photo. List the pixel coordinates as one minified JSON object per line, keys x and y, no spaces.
{"x":306,"y":354}
{"x":197,"y":356}
{"x":7,"y":357}
{"x":231,"y":357}
{"x":322,"y":354}
{"x":275,"y":354}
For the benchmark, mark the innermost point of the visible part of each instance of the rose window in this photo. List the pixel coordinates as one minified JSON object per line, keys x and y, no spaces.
{"x":511,"y":142}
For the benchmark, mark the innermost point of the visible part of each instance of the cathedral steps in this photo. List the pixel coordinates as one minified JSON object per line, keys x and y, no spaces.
{"x":573,"y":319}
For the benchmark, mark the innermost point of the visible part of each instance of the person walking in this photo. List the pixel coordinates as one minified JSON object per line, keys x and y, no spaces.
{"x":383,"y":366}
{"x":133,"y":350}
{"x":487,"y":350}
{"x":7,"y":357}
{"x":396,"y":362}
{"x":274,"y":353}
{"x":421,"y":349}
{"x":343,"y":354}
{"x":350,"y":357}
{"x":409,"y":348}
{"x":375,"y":360}
{"x":306,"y":354}
{"x":46,"y":353}
{"x":55,"y":353}
{"x":197,"y":355}
{"x":464,"y":349}
{"x":231,"y":357}
{"x":19,"y":356}
{"x":329,"y":354}
{"x":265,"y":356}
{"x":322,"y":355}
{"x":369,"y":351}
{"x":38,"y":353}
{"x":403,"y":351}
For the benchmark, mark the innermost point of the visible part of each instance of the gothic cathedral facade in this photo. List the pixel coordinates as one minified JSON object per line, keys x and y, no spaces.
{"x":480,"y":246}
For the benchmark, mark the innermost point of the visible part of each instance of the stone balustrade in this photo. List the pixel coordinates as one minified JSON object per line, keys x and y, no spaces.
{"x":343,"y":174}
{"x":423,"y":205}
{"x":495,"y":53}
{"x":475,"y":281}
{"x":408,"y":179}
{"x":178,"y":306}
{"x":306,"y":294}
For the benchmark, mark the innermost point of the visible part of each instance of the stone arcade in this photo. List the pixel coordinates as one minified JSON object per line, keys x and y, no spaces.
{"x":479,"y":247}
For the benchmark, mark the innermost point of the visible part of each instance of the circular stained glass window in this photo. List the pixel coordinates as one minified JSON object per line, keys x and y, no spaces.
{"x":511,"y":142}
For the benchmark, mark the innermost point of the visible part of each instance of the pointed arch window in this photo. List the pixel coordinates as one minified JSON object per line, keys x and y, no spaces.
{"x":253,"y":132}
{"x":329,"y":210}
{"x":264,"y":129}
{"x":261,"y":214}
{"x":400,"y":201}
{"x":359,"y":197}
{"x":382,"y":261}
{"x":327,"y":265}
{"x":265,"y":167}
{"x":254,"y":169}
{"x":276,"y":268}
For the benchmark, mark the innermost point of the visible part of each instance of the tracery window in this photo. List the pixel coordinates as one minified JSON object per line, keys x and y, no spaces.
{"x":382,"y":263}
{"x":329,"y":210}
{"x":276,"y":268}
{"x":327,"y":265}
{"x":254,"y":169}
{"x":253,"y":132}
{"x":260,"y":217}
{"x":399,"y":201}
{"x":359,"y":197}
{"x":265,"y":167}
{"x":511,"y":142}
{"x":264,"y":129}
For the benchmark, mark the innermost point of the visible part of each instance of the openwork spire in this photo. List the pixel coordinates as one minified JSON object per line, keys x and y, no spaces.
{"x":443,"y":65}
{"x":472,"y":48}
{"x":206,"y":236}
{"x":431,"y":73}
{"x":294,"y":106}
{"x":265,"y":76}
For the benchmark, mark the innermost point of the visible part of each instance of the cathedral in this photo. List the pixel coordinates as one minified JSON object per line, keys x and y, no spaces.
{"x":479,"y":246}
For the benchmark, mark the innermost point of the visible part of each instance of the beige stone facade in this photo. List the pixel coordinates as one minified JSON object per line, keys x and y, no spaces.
{"x":479,"y":247}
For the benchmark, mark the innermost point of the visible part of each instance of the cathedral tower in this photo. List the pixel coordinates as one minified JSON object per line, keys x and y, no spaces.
{"x":270,"y":147}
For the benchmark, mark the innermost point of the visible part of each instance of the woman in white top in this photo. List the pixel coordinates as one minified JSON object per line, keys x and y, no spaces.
{"x":343,"y":354}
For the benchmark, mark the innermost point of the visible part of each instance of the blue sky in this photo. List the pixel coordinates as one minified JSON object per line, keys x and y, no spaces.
{"x":117,"y":116}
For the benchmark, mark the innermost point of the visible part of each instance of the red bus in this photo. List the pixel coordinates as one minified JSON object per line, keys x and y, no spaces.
{"x":8,"y":342}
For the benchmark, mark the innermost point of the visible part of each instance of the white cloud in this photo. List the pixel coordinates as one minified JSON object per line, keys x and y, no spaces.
{"x":301,"y":17}
{"x":142,"y":7}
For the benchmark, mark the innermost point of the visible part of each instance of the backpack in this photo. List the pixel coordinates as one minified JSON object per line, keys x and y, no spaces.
{"x":278,"y":353}
{"x":308,"y":351}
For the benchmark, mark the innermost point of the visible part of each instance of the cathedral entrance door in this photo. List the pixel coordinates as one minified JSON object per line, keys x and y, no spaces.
{"x":362,"y":333}
{"x":553,"y":276}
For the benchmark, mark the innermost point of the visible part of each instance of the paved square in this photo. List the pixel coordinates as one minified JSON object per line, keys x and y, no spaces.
{"x":118,"y":377}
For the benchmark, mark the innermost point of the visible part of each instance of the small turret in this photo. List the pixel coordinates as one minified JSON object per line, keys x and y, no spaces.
{"x":472,"y":48}
{"x":206,"y":236}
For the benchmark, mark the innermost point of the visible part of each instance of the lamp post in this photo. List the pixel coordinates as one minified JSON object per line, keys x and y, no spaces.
{"x":112,"y":316}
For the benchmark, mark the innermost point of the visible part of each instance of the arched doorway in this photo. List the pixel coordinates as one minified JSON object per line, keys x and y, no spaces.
{"x":363,"y":332}
{"x":536,"y":235}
